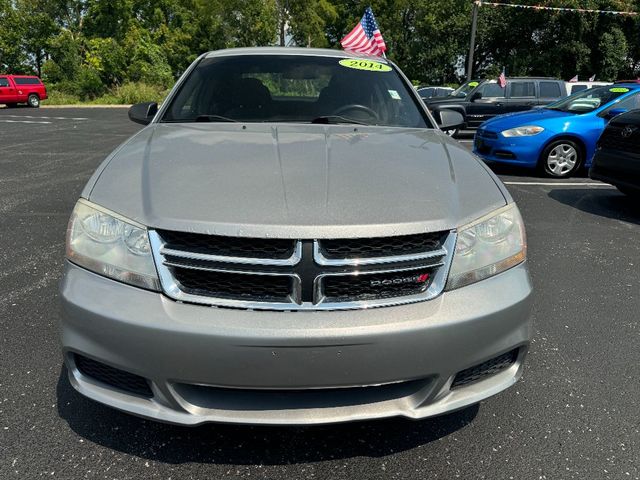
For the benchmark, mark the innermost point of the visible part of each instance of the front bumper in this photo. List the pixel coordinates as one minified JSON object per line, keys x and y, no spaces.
{"x":208,"y":364}
{"x":617,"y":168}
{"x":523,"y":151}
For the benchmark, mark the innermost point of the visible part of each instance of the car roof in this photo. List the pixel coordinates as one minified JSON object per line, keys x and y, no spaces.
{"x":293,"y":51}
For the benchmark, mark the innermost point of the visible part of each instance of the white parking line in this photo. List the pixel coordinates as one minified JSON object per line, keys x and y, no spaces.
{"x":21,"y":121}
{"x":49,"y":118}
{"x":561,"y":184}
{"x":465,"y":141}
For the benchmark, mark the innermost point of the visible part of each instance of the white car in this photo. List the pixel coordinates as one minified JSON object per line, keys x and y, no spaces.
{"x":574,"y":87}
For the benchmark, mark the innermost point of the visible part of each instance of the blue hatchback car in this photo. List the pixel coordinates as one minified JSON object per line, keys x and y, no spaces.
{"x":560,"y":137}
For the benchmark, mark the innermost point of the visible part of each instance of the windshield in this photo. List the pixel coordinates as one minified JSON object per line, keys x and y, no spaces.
{"x":589,"y":100}
{"x":295,"y":88}
{"x":464,"y":89}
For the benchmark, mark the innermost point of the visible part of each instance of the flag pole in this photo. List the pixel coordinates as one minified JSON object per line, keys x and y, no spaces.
{"x":472,"y":44}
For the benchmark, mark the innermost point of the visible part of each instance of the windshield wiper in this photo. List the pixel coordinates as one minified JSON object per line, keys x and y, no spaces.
{"x":214,"y":118}
{"x":327,"y":119}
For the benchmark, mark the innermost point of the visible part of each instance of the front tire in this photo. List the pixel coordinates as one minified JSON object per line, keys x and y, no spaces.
{"x":33,"y":100}
{"x":561,"y":159}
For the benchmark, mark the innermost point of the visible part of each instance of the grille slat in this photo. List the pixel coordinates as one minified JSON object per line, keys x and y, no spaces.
{"x":275,"y":288}
{"x":349,"y":248}
{"x":271,"y":248}
{"x":612,"y":139}
{"x":340,"y":288}
{"x":326,"y":274}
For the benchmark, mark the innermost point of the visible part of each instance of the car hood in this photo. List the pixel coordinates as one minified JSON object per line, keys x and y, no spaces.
{"x":439,"y":101}
{"x":529,"y":117}
{"x":295,"y":181}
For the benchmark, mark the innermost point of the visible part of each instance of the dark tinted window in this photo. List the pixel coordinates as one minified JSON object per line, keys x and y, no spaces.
{"x":550,"y":90}
{"x":578,"y":88}
{"x":426,"y":92}
{"x":523,"y":89}
{"x":589,"y":100}
{"x":492,"y":90}
{"x":26,"y":81}
{"x":629,"y":103}
{"x":4,"y":82}
{"x":295,"y":88}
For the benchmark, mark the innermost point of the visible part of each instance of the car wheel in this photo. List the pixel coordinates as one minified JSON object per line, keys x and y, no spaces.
{"x":629,"y":192}
{"x":561,"y":158}
{"x":452,"y":133}
{"x":33,"y":100}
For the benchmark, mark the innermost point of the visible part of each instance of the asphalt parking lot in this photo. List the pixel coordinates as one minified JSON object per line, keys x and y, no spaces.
{"x":574,"y":415}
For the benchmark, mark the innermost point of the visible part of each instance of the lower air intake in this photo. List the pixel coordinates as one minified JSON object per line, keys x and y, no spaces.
{"x":485,"y":370}
{"x":113,"y":377}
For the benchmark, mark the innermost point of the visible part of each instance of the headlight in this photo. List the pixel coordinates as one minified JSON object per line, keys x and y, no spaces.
{"x":528,"y":131}
{"x":111,"y":245}
{"x":487,"y":247}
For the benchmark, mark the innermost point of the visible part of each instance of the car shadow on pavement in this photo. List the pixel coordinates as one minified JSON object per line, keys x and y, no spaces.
{"x":247,"y":445}
{"x":605,"y":202}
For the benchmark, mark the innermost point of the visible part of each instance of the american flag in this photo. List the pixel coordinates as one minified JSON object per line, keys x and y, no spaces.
{"x":574,"y":79}
{"x":365,"y":36}
{"x":502,"y":80}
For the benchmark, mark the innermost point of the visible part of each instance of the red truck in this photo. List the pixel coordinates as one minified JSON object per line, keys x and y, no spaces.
{"x":16,"y":89}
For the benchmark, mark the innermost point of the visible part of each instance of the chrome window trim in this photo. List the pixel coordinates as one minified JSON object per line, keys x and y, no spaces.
{"x":292,"y":260}
{"x":172,"y":289}
{"x":320,"y":259}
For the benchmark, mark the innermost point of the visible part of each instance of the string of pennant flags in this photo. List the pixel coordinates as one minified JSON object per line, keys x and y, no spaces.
{"x":556,"y":9}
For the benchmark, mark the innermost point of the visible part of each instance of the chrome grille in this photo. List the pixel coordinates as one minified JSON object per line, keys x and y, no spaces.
{"x":302,"y":274}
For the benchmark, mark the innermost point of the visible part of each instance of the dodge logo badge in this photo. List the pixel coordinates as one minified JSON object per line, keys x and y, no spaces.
{"x":422,"y":278}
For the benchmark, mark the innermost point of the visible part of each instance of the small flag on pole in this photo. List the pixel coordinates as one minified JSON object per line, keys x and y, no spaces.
{"x":574,"y":79}
{"x":592,"y":78}
{"x":502,"y":79}
{"x":365,"y":36}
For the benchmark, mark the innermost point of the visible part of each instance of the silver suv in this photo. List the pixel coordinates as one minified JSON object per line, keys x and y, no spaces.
{"x":293,"y":240}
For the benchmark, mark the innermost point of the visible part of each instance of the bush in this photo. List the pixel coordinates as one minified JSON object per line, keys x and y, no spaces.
{"x":139,"y":92}
{"x":57,"y":97}
{"x":89,"y":84}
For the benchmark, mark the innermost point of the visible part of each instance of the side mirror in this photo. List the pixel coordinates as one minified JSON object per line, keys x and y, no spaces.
{"x":614,"y":112}
{"x":451,"y":120}
{"x":476,"y":96}
{"x":143,"y":112}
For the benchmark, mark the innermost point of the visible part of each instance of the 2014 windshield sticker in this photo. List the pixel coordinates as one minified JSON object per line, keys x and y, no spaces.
{"x":394,"y":94}
{"x":368,"y":65}
{"x":618,"y":90}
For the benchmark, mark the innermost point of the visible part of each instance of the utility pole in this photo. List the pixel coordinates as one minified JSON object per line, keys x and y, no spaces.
{"x":472,"y":45}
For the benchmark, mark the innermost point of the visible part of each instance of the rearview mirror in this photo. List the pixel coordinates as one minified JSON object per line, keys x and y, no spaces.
{"x":614,"y":112}
{"x":476,"y":96}
{"x":143,"y":112}
{"x":451,"y":120}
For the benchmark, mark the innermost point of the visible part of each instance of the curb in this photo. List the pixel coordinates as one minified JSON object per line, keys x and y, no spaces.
{"x":85,"y":106}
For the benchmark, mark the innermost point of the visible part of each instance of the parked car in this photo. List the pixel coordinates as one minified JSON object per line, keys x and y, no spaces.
{"x":430,"y":92}
{"x":464,"y":89}
{"x":292,"y":240}
{"x":575,"y":87}
{"x":15,"y":89}
{"x":559,"y":138}
{"x":617,"y":157}
{"x":489,"y":99}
